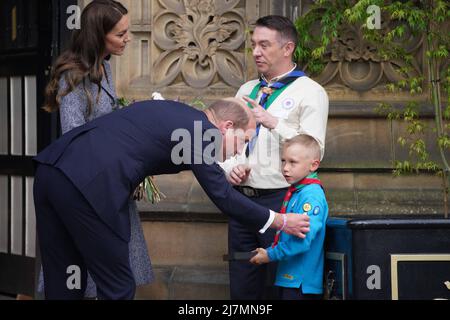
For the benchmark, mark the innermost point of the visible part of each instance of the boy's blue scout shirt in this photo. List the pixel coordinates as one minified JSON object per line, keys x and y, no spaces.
{"x":301,"y":261}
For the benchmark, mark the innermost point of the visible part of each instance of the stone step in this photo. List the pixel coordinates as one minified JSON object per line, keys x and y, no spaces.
{"x":186,"y":243}
{"x":187,"y":260}
{"x":4,"y":296}
{"x":186,"y":283}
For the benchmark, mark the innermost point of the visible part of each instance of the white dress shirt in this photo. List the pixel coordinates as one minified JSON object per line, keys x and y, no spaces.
{"x":302,"y":108}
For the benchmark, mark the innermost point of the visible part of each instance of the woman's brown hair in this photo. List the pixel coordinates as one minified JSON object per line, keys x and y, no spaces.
{"x":85,"y":55}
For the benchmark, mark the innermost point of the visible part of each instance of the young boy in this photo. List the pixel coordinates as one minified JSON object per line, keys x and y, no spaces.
{"x":300,"y":266}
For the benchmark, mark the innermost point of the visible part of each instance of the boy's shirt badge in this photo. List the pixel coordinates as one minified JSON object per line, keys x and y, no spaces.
{"x":288,"y":276}
{"x":307,"y":207}
{"x":316,"y":211}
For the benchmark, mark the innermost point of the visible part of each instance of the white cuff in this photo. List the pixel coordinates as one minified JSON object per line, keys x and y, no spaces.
{"x":269,"y":222}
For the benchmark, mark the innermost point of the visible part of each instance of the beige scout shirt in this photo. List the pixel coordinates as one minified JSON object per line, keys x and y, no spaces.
{"x":302,"y":108}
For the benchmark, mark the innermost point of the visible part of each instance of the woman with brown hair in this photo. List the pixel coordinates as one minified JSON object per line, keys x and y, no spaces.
{"x":81,"y":88}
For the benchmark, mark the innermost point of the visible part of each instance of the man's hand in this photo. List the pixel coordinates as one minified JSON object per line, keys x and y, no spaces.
{"x":261,"y":257}
{"x":296,"y":224}
{"x":261,"y":115}
{"x":239,"y":174}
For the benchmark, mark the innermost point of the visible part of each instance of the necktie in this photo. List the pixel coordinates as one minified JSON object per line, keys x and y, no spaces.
{"x":268,"y":90}
{"x":311,"y":179}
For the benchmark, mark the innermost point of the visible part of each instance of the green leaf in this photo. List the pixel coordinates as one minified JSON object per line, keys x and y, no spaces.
{"x":123,"y":102}
{"x":401,"y":141}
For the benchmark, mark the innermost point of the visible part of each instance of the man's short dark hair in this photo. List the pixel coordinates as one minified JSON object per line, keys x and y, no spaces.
{"x":283,"y":25}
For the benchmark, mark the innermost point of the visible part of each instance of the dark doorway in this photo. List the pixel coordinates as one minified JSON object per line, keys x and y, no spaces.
{"x":30,"y":38}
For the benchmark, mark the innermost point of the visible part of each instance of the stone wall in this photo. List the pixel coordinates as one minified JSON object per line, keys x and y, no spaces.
{"x":187,"y":49}
{"x":199,"y":49}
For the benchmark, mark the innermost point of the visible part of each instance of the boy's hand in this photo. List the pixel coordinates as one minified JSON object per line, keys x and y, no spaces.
{"x":239,"y":174}
{"x":261,"y":257}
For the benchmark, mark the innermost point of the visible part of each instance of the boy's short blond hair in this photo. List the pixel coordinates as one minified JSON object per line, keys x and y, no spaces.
{"x":306,"y":141}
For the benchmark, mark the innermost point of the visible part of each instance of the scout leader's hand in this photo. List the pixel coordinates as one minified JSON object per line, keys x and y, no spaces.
{"x":261,"y":115}
{"x":261,"y":257}
{"x":292,"y":223}
{"x":239,"y":174}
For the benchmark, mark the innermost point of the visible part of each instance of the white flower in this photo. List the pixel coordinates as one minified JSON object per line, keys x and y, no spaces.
{"x":157,"y":96}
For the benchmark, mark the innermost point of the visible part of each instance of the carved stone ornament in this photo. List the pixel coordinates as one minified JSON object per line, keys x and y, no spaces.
{"x":199,"y":39}
{"x":357,"y":63}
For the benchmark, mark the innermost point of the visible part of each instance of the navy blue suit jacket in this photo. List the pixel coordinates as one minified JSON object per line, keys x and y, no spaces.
{"x":108,"y":157}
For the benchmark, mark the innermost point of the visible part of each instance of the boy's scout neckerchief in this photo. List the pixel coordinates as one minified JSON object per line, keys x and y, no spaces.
{"x":313,"y":178}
